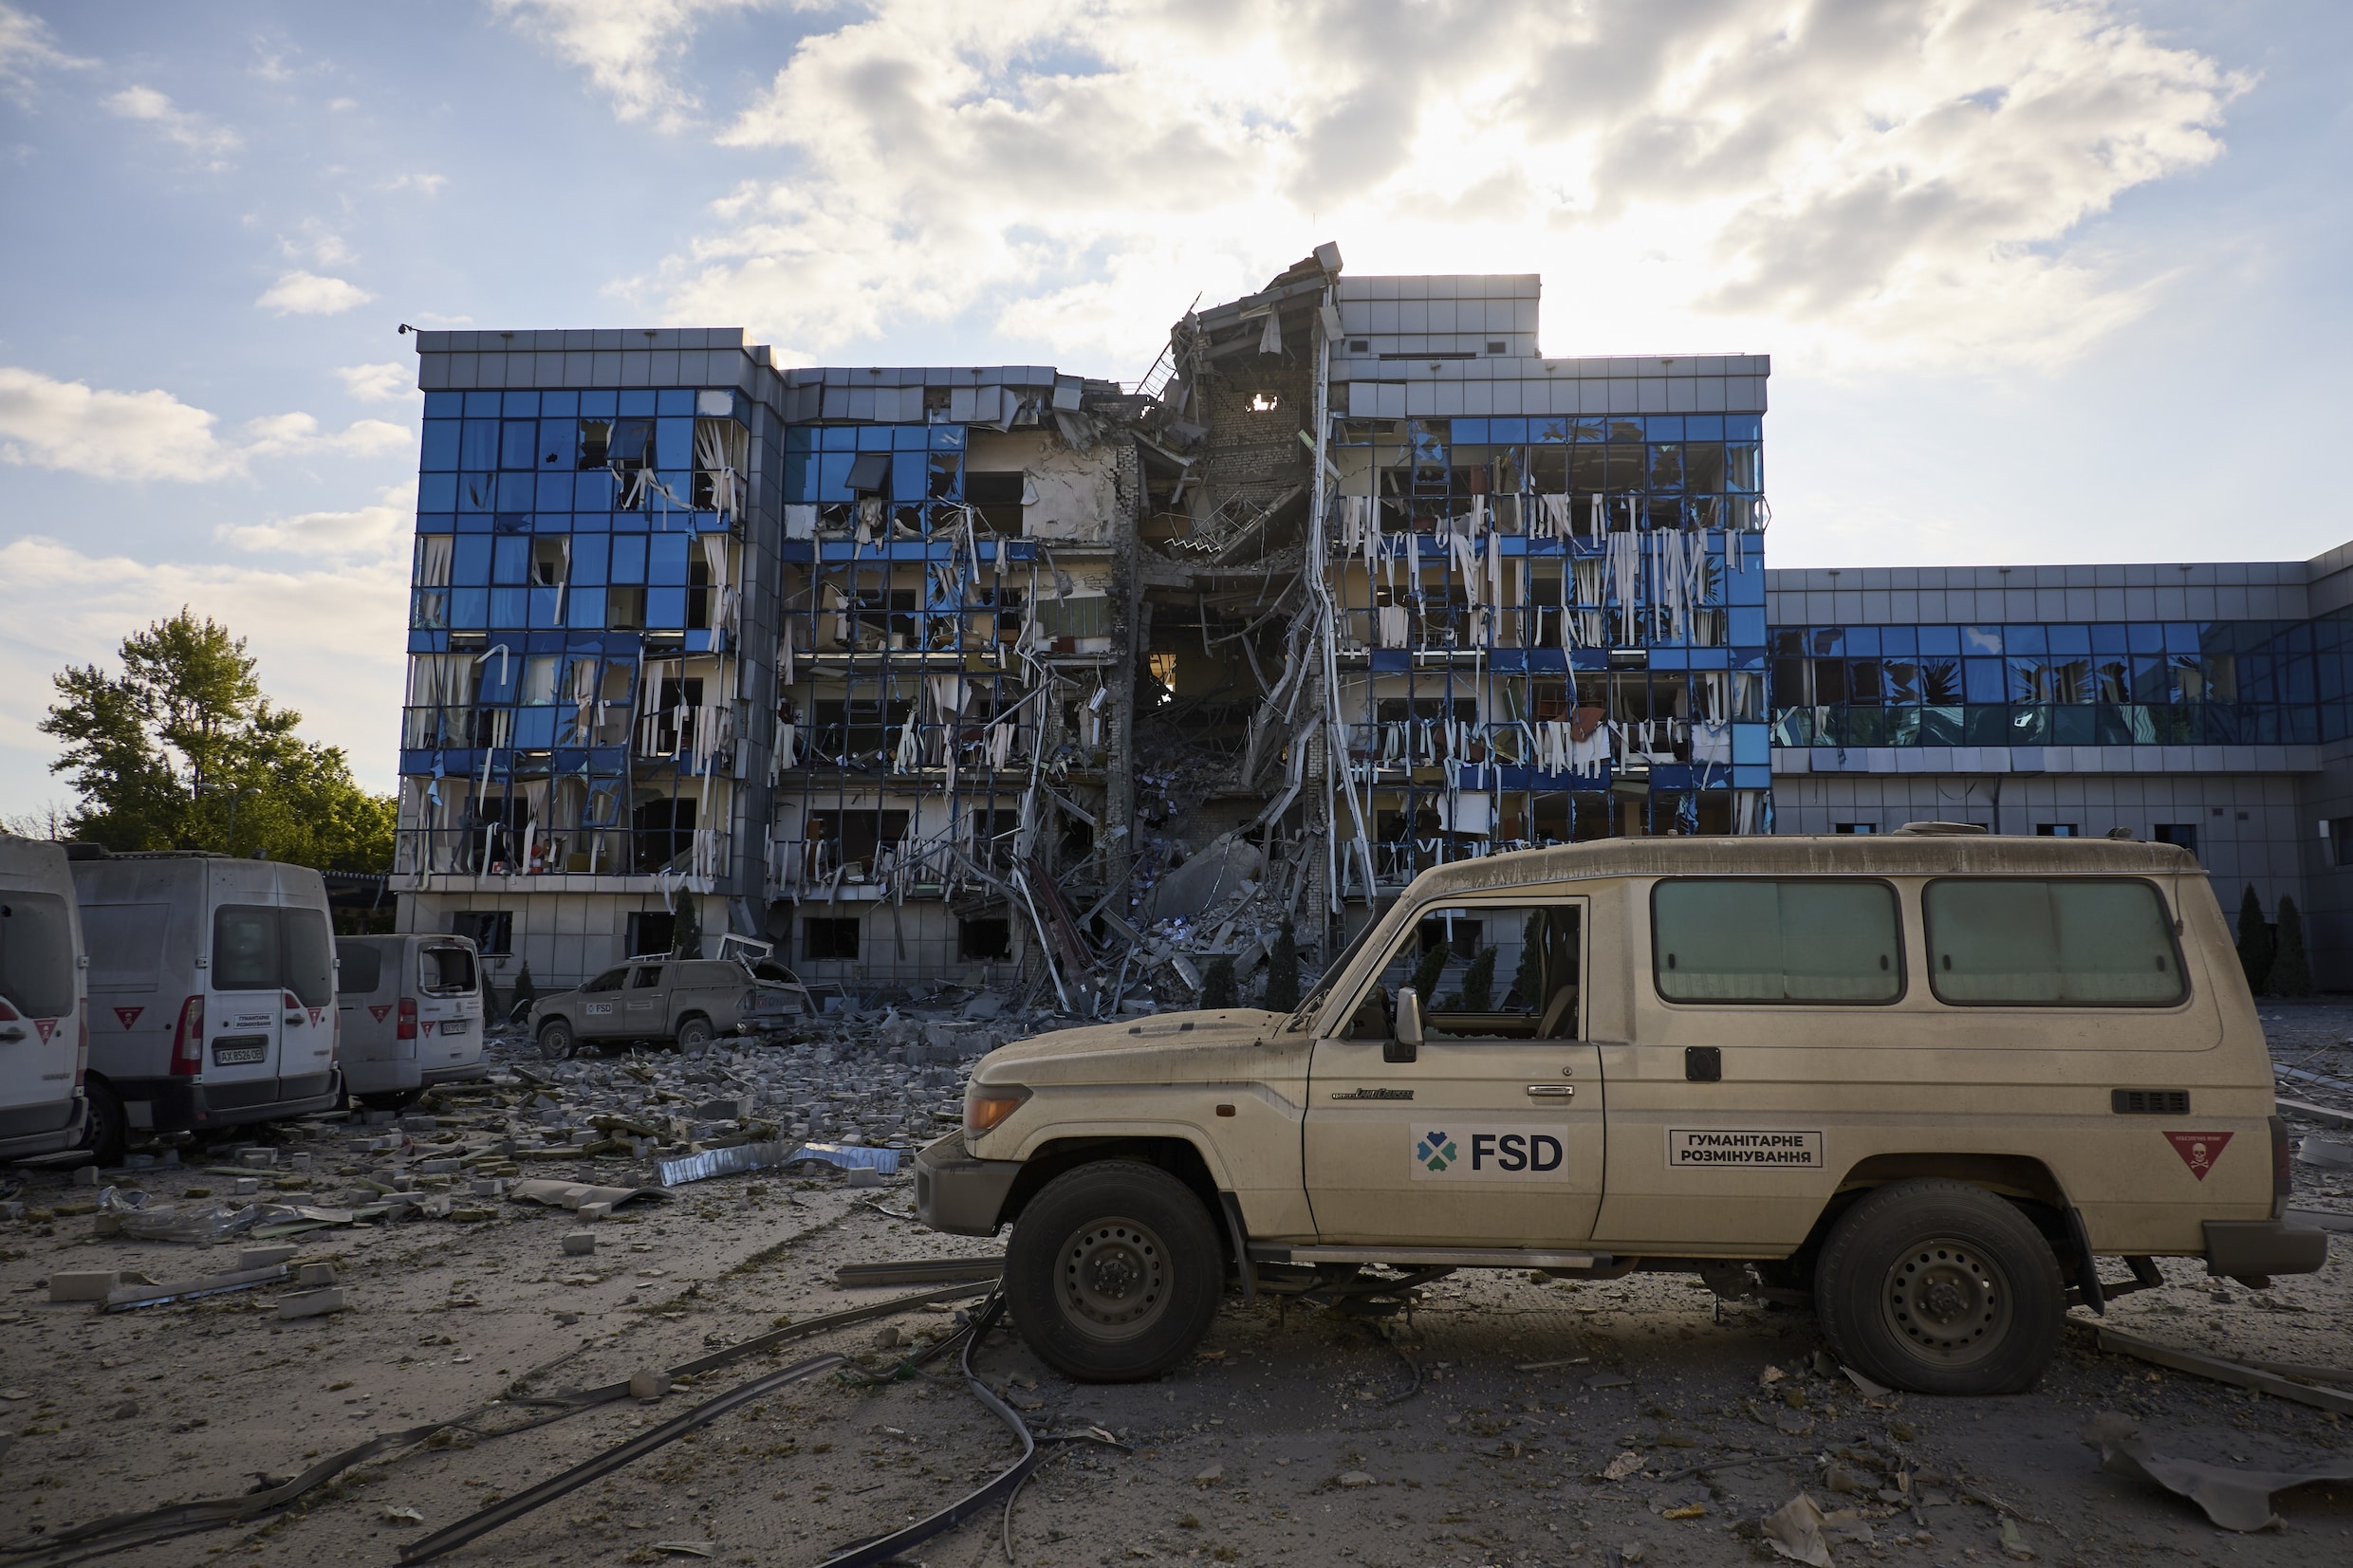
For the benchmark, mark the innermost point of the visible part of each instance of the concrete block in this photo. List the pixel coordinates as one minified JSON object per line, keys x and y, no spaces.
{"x":864,"y":1177}
{"x":248,"y":1186}
{"x":580,"y":1244}
{"x":315,"y":1276}
{"x":299,"y":1162}
{"x":595,"y":1212}
{"x":311,"y":1303}
{"x":84,"y":1284}
{"x":649,"y":1385}
{"x":437,"y":1168}
{"x":265,"y":1257}
{"x":258,"y":1160}
{"x":737,"y":1108}
{"x":86,"y":1175}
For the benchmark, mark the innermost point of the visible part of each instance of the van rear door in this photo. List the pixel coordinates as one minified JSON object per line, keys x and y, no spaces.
{"x":449,"y":1004}
{"x":368,"y":994}
{"x":244,"y":1014}
{"x":39,"y":1025}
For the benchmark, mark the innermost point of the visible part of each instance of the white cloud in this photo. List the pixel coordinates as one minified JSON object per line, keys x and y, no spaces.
{"x":282,"y":435}
{"x":1909,"y":180}
{"x":301,"y":293}
{"x":365,"y":533}
{"x":26,"y":49}
{"x":627,"y":47}
{"x":430,"y":184}
{"x":328,"y":639}
{"x":52,"y":424}
{"x":188,"y":130}
{"x":389,"y":382}
{"x":137,"y":435}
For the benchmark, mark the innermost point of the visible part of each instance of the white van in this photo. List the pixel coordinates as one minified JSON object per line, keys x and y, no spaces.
{"x":212,"y":992}
{"x":45,"y":1036}
{"x":412,"y":1015}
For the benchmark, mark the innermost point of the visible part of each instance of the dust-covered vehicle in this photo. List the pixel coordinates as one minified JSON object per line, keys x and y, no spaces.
{"x":1929,"y":1079}
{"x":685,"y":1002}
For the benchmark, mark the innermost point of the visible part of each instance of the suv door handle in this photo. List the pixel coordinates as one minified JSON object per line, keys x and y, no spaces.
{"x":1552,"y":1091}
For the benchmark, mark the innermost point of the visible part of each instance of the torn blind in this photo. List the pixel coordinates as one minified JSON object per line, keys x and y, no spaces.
{"x":723,"y":597}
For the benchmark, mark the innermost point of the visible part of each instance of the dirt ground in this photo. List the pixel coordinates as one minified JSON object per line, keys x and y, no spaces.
{"x":1475,"y":1433}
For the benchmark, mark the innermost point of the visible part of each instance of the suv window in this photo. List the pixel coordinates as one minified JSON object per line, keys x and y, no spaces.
{"x":646,"y":977}
{"x":36,"y":954}
{"x":609,"y":981}
{"x":1484,"y":971}
{"x":363,"y":966}
{"x":1812,"y":940}
{"x":2061,"y":941}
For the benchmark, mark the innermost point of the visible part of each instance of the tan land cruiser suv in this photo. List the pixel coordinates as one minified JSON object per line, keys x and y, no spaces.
{"x":1930,"y":1077}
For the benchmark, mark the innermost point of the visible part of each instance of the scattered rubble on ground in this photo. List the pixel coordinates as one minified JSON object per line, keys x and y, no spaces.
{"x":509,"y":1255}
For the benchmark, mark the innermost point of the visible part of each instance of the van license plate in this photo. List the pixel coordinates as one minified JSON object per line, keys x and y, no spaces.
{"x":225,"y":1055}
{"x":452,"y":1025}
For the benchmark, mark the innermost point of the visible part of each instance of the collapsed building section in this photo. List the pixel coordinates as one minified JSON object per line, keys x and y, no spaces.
{"x":1003,"y":674}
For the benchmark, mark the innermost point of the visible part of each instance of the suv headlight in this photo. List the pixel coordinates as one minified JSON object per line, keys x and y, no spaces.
{"x":986,"y":1106}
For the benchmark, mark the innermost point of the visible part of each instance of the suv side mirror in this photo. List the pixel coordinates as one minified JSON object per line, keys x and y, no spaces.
{"x":1406,"y":1045}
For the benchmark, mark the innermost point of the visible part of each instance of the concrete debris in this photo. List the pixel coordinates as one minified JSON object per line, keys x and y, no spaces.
{"x":916,"y":1272}
{"x":1794,"y":1531}
{"x":2334,"y":1154}
{"x":84,"y":1285}
{"x":312,"y":1304}
{"x":2234,"y":1499}
{"x":2223,"y":1370}
{"x":124,"y":1298}
{"x":580,"y":1244}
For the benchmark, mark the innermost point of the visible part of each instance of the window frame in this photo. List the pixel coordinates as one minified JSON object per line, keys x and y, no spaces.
{"x":1489,"y":899}
{"x":2169,"y":918}
{"x":1902,"y":968}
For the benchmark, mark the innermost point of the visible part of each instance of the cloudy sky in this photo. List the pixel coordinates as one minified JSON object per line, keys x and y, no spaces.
{"x":2043,"y":279}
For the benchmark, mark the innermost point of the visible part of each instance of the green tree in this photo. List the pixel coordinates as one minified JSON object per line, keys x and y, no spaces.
{"x":1478,"y":983}
{"x":1282,"y":972}
{"x":1427,"y":972}
{"x":2254,"y":941}
{"x":183,"y":750}
{"x":1218,"y":988}
{"x":686,"y":933}
{"x":2291,"y":971}
{"x":524,"y":989}
{"x":1528,"y":979}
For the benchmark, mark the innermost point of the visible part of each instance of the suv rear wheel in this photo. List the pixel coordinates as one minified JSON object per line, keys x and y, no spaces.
{"x":556,"y":1040}
{"x":1940,"y":1287}
{"x":695,"y":1035}
{"x":1113,"y":1272}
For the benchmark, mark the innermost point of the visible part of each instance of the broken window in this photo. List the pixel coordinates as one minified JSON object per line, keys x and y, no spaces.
{"x":825,"y":941}
{"x":491,"y":931}
{"x":651,"y":934}
{"x":994,"y":836}
{"x":852,"y":843}
{"x":1487,"y":972}
{"x":664,"y":833}
{"x":985,"y":940}
{"x":551,"y":560}
{"x":998,"y":499}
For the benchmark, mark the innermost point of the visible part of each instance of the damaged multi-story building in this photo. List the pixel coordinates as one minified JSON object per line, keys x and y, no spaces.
{"x":986,"y":673}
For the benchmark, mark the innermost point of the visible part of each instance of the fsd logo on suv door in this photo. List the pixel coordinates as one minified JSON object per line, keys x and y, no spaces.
{"x":1478,"y":1152}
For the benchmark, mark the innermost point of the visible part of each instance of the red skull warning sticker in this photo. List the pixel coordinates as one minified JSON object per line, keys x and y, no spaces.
{"x":381,"y":1009}
{"x":2198,"y":1151}
{"x":48,"y":1027}
{"x":128,"y":1016}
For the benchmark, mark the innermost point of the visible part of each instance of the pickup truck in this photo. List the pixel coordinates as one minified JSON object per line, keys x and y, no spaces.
{"x":687,"y":1002}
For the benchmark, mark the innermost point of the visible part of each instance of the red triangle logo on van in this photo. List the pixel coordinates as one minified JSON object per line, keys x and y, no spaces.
{"x":2198,"y":1151}
{"x":315,"y":1013}
{"x":381,"y":1009}
{"x":128,"y":1016}
{"x":45,"y":1027}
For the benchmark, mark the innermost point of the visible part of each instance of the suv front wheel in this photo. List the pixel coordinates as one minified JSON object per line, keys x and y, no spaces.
{"x":556,"y":1040}
{"x":1940,"y":1287}
{"x":1113,"y":1272}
